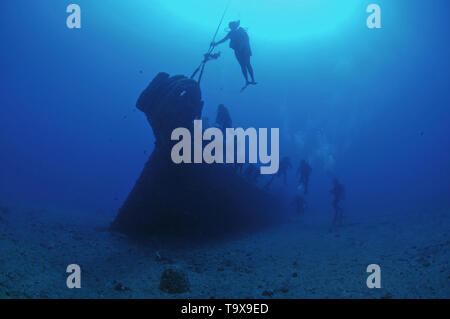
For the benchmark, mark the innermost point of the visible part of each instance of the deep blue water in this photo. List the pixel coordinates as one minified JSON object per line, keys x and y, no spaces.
{"x":370,"y":107}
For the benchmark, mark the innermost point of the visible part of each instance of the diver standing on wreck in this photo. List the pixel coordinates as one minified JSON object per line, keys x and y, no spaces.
{"x":240,"y":43}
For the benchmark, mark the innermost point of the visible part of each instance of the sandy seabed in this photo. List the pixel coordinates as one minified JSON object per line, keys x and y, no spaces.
{"x":301,"y":259}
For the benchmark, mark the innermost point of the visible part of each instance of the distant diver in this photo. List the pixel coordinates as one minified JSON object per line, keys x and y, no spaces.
{"x":338,"y":193}
{"x":303,"y":172}
{"x":224,"y":121}
{"x":285,"y":165}
{"x":223,"y":118}
{"x":240,"y":43}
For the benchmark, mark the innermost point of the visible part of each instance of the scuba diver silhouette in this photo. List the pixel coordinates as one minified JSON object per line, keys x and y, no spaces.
{"x":240,"y":43}
{"x":223,"y":118}
{"x":303,"y":172}
{"x":338,"y":193}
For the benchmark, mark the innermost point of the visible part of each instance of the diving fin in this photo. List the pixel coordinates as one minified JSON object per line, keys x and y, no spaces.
{"x":249,"y":83}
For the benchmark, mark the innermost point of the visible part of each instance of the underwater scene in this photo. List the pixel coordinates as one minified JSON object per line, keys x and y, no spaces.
{"x":224,"y":149}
